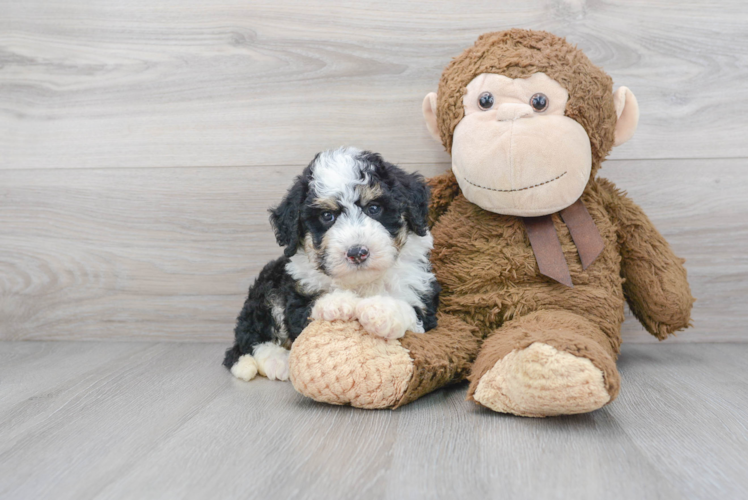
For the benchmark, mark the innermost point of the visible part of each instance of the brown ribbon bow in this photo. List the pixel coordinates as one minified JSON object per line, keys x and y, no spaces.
{"x":547,"y":247}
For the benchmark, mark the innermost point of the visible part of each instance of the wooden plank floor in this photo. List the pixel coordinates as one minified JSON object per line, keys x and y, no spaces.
{"x":86,"y":420}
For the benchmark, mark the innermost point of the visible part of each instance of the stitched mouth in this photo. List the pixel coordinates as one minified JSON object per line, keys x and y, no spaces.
{"x":514,"y":190}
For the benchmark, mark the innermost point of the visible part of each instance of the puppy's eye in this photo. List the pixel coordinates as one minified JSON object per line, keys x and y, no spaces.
{"x":539,"y":102}
{"x":485,"y":100}
{"x":374,"y":209}
{"x":327,"y":217}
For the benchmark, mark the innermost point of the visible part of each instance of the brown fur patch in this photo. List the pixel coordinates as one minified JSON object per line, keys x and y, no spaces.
{"x":309,"y":244}
{"x":310,"y":250}
{"x":401,"y":238}
{"x":509,"y":284}
{"x":326,"y":204}
{"x":513,"y":305}
{"x":444,"y":189}
{"x":440,"y":356}
{"x":368,"y":194}
{"x":656,"y":283}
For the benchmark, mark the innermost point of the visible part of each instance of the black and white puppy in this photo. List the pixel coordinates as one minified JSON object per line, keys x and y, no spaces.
{"x":357,"y":248}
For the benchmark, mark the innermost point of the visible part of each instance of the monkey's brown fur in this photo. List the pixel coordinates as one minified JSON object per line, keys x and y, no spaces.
{"x":518,"y":54}
{"x":492,"y":290}
{"x":484,"y":261}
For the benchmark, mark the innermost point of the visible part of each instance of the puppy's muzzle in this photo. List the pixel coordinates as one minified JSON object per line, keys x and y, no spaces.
{"x":357,"y":254}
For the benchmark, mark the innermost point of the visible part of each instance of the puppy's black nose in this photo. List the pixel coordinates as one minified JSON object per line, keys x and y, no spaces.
{"x":357,"y":254}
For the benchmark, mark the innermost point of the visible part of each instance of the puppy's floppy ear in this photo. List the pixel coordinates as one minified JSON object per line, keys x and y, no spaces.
{"x":409,"y":189}
{"x":416,"y":193}
{"x":286,"y":217}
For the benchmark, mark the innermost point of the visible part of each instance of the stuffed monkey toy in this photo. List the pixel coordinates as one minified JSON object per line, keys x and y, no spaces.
{"x":536,"y":255}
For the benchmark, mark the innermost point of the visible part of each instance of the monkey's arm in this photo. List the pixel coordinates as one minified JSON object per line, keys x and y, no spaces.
{"x":656,"y":287}
{"x":444,"y":189}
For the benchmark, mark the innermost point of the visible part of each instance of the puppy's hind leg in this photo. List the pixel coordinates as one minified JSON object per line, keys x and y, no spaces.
{"x":256,"y":324}
{"x":245,"y":368}
{"x":242,"y":366}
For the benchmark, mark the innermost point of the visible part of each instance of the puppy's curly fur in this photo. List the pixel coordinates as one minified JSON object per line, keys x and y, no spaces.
{"x":357,"y":246}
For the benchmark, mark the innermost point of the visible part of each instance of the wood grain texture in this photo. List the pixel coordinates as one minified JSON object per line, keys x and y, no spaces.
{"x":95,"y":244}
{"x":167,"y":421}
{"x":700,"y":392}
{"x":270,"y":82}
{"x":168,"y":254}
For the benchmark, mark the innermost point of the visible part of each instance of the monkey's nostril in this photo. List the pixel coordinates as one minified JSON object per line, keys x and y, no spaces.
{"x":357,"y":254}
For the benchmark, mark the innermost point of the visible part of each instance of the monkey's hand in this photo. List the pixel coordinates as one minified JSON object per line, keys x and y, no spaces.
{"x":656,"y":286}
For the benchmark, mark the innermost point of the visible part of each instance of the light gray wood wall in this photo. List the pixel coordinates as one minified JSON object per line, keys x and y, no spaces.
{"x":141,"y":142}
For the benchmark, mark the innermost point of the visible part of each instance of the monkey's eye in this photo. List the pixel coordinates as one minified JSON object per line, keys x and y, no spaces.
{"x":374,"y":209}
{"x":327,"y":217}
{"x":485,"y":100}
{"x":539,"y":102}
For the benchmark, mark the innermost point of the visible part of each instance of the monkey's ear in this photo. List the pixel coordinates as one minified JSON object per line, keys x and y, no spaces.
{"x":627,"y":112}
{"x":429,"y":113}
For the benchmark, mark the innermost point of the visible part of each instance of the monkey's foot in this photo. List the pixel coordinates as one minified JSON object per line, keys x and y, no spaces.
{"x":340,"y":363}
{"x":540,"y":381}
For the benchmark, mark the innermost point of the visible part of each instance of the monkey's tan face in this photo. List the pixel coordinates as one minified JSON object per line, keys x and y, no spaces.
{"x":514,"y":152}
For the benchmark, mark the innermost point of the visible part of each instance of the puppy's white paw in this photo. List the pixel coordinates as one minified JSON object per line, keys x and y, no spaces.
{"x":382,"y":316}
{"x":272,"y":361}
{"x":276,"y":368}
{"x":245,"y":368}
{"x":339,"y":305}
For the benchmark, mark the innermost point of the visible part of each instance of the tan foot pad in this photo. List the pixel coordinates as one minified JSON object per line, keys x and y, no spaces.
{"x":540,"y":381}
{"x":339,"y":363}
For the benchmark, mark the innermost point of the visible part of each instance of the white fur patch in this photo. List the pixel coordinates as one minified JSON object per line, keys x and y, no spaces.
{"x":339,"y":305}
{"x":387,"y":317}
{"x":272,"y":361}
{"x":303,"y":268}
{"x":408,"y":279}
{"x":354,"y":228}
{"x":245,"y":368}
{"x":336,"y":174}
